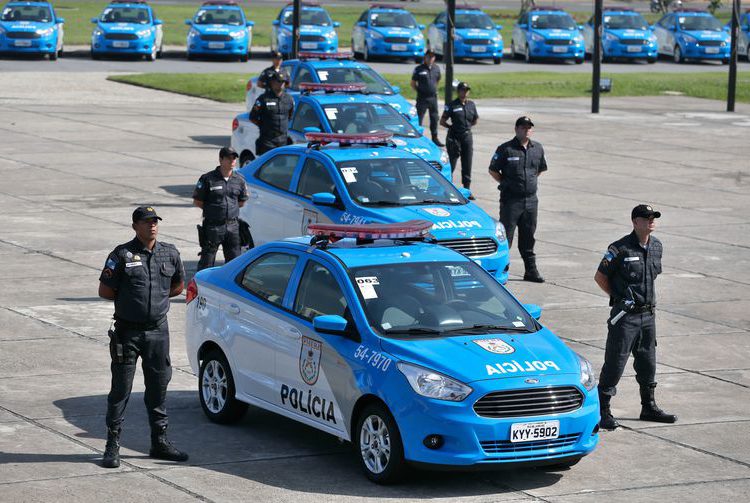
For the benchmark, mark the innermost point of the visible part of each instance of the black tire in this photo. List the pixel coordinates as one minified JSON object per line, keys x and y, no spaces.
{"x":366,"y":53}
{"x":561,"y":466}
{"x":579,"y":61}
{"x":497,"y":61}
{"x":243,"y":58}
{"x":95,"y":56}
{"x":53,"y":56}
{"x":677,"y":55}
{"x":725,"y":61}
{"x":160,"y":51}
{"x":190,"y":57}
{"x":527,"y":55}
{"x":216,"y":386}
{"x":245,"y":157}
{"x":376,"y":415}
{"x":60,"y":52}
{"x":651,"y":61}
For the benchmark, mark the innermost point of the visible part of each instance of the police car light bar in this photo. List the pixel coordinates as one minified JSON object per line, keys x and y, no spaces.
{"x":357,"y":87}
{"x":413,"y":229}
{"x":686,"y":9}
{"x":219,"y":2}
{"x":385,"y":6}
{"x":378,"y":137}
{"x":326,"y":55}
{"x":128,"y":1}
{"x":542,"y":7}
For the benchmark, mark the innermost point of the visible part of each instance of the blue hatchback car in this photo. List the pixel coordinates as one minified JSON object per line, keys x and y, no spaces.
{"x":544,"y":33}
{"x":317,"y":32}
{"x":626,"y":35}
{"x":384,"y":30}
{"x":31,"y":28}
{"x":127,"y":27}
{"x":219,"y":28}
{"x":692,"y":34}
{"x":477,"y":36}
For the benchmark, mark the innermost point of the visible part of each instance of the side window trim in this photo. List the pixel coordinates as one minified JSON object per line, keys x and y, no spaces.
{"x":292,"y":182}
{"x":341,"y":281}
{"x":327,"y":169}
{"x":284,"y":305}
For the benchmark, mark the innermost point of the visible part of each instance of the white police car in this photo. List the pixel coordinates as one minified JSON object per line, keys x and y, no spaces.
{"x":408,"y":350}
{"x":31,"y":28}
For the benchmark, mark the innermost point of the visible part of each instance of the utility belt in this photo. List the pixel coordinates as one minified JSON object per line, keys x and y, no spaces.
{"x":129,"y":325}
{"x":458,"y":135}
{"x":219,"y":222}
{"x":421,"y":97}
{"x":637,"y":308}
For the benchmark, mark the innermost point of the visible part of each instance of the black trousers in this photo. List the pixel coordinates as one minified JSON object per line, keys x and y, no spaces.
{"x":152,"y":346}
{"x":263,"y":145}
{"x":520,"y":212}
{"x":225,"y":235}
{"x":462,"y":147}
{"x":635,"y":334}
{"x":429,"y":103}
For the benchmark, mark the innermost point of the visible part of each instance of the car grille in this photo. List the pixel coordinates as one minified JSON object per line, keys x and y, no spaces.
{"x":121,"y":36}
{"x":709,"y":43}
{"x":216,"y":38}
{"x":633,"y":41}
{"x":559,"y":42}
{"x":311,"y":38}
{"x":396,"y":40}
{"x":506,"y":446}
{"x":472,"y":247}
{"x":22,"y":34}
{"x":529,"y":402}
{"x":477,"y":41}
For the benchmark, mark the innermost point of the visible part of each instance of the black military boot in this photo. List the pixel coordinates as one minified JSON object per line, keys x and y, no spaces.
{"x":162,"y":448}
{"x":532,"y":274}
{"x":607,"y":421}
{"x":649,"y":410}
{"x":111,"y":457}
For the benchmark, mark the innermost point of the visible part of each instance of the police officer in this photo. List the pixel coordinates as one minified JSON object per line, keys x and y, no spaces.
{"x":424,"y":80}
{"x":516,"y":166}
{"x":463,"y":115}
{"x":271,"y":113}
{"x":627,"y":273}
{"x":220,"y":193}
{"x":265,"y":75}
{"x":140,"y":276}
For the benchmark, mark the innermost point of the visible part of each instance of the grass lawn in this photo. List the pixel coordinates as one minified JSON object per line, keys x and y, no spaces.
{"x":230,"y":87}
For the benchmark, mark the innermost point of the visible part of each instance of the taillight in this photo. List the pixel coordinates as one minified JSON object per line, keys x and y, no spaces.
{"x":249,"y":85}
{"x":235,"y":124}
{"x":192,"y":291}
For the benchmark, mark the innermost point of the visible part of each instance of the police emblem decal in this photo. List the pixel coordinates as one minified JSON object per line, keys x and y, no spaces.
{"x":497,"y":346}
{"x":437,"y":212}
{"x":309,"y":360}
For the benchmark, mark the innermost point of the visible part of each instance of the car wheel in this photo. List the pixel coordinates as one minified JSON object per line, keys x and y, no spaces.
{"x":160,"y":51}
{"x":748,"y":53}
{"x":60,"y":52}
{"x":245,"y":157}
{"x":678,"y":58}
{"x":725,"y":61}
{"x":53,"y":56}
{"x":561,"y":466}
{"x":651,"y":61}
{"x":497,"y":61}
{"x":527,"y":55}
{"x":579,"y":61}
{"x":190,"y":57}
{"x":351,"y":46}
{"x":94,"y":55}
{"x":243,"y":58}
{"x":378,"y":441}
{"x":216,"y":390}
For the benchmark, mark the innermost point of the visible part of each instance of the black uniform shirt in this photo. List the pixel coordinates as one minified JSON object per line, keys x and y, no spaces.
{"x":272,"y":114}
{"x":142,"y":279}
{"x":266,"y":74}
{"x":461,"y":115}
{"x":220,"y":197}
{"x":628,"y":264}
{"x":519,"y":167}
{"x":427,"y":78}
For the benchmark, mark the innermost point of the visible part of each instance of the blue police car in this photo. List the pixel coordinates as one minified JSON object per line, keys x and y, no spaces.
{"x":545,"y":33}
{"x":477,"y":37}
{"x":626,"y":35}
{"x":317,"y":32}
{"x":219,"y":28}
{"x":692,"y":34}
{"x":408,"y":350}
{"x":385,"y":30}
{"x":127,"y":27}
{"x":31,"y":28}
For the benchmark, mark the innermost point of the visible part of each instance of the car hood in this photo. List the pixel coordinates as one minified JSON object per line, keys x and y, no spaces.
{"x":476,"y":33}
{"x":398,"y":102}
{"x":123,"y":27}
{"x":421,"y":146}
{"x":708,"y":35}
{"x":557,"y":34}
{"x":218,"y":29}
{"x":311,"y":29}
{"x":633,"y":34}
{"x":22,"y":26}
{"x":392,"y":31}
{"x":507,"y":355}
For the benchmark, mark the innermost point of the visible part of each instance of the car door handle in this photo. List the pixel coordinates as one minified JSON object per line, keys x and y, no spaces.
{"x":233,"y":308}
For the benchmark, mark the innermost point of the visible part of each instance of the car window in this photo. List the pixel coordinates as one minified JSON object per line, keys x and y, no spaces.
{"x":219,"y":16}
{"x":315,"y":178}
{"x":278,"y":171}
{"x":348,"y":75}
{"x":317,"y":17}
{"x":137,"y":15}
{"x":696,"y":23}
{"x":666,"y":21}
{"x":303,"y":75}
{"x":400,"y":19}
{"x":268,"y":276}
{"x":441,"y":18}
{"x":319,"y":293}
{"x":478,"y":20}
{"x":553,"y":21}
{"x":625,"y":22}
{"x":305,"y":116}
{"x":353,"y":118}
{"x":26,"y":13}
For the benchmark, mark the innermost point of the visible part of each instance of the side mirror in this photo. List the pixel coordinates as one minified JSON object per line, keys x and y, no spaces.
{"x":157,"y":22}
{"x":440,"y":25}
{"x":60,"y":20}
{"x":275,"y":22}
{"x":726,"y":27}
{"x":464,"y":191}
{"x":250,"y":23}
{"x":420,"y":26}
{"x":324,"y":199}
{"x":94,"y":20}
{"x":189,"y":22}
{"x":330,"y":324}
{"x":396,"y":89}
{"x":336,"y":24}
{"x":498,"y":27}
{"x":534,"y":310}
{"x":361,"y":23}
{"x":580,"y":26}
{"x":311,"y":129}
{"x":523,"y":26}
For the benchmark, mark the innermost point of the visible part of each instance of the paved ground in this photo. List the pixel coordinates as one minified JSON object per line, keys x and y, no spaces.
{"x":78,"y":153}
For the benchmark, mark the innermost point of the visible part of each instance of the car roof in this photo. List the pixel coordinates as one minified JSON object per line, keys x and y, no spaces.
{"x":337,"y":153}
{"x":621,"y":11}
{"x":36,"y":4}
{"x":229,"y":6}
{"x":336,"y":98}
{"x":559,"y":12}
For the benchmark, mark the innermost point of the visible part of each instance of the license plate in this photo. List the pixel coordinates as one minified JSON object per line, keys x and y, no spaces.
{"x":531,"y":432}
{"x":216,"y":45}
{"x":559,"y":48}
{"x":712,"y":50}
{"x":398,"y":47}
{"x":120,"y":45}
{"x":23,"y":43}
{"x":478,"y":48}
{"x":634,"y":48}
{"x":309,"y":45}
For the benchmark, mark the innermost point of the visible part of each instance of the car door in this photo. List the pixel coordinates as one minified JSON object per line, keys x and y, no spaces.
{"x":315,"y":177}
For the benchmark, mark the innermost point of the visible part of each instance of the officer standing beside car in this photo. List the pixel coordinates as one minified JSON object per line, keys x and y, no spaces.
{"x":140,"y":276}
{"x":271,"y":113}
{"x":462,"y":114}
{"x":265,"y":75}
{"x":425,"y":80}
{"x":627,"y":274}
{"x":516,"y":166}
{"x":220,"y":193}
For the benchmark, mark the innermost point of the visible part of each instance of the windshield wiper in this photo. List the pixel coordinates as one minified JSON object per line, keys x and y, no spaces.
{"x":414,"y":330}
{"x":381,"y":203}
{"x":494,"y":328}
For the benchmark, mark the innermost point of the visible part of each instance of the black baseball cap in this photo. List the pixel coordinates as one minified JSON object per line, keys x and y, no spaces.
{"x":645,"y":211}
{"x":144,"y":213}
{"x":227,"y":152}
{"x":276,"y":55}
{"x":525,"y":121}
{"x":463,"y":85}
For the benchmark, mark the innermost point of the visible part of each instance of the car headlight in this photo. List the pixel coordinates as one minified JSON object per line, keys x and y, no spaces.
{"x":375,"y":34}
{"x":588,"y":380}
{"x":286,"y":32}
{"x":143,"y":33}
{"x":444,"y":159}
{"x":689,"y":39}
{"x":458,"y":38}
{"x":412,"y":111}
{"x":611,"y":37}
{"x":330,"y":34}
{"x":537,"y":37}
{"x":500,"y":232}
{"x":578,"y":39}
{"x":724,"y":44}
{"x":237,"y":34}
{"x":433,"y":384}
{"x":2,"y":30}
{"x":193,"y":33}
{"x":416,"y":38}
{"x":98,"y":32}
{"x":45,"y":32}
{"x":652,"y":39}
{"x":497,"y":38}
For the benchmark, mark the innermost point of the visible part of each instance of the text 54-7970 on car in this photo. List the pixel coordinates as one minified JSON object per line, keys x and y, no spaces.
{"x":409,"y":350}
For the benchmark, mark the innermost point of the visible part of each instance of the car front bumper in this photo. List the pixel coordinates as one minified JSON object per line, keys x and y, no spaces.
{"x":494,"y":50}
{"x":140,"y":46}
{"x":697,"y":51}
{"x":543,"y":50}
{"x":43,"y":45}
{"x":328,"y":45}
{"x":206,"y":48}
{"x":379,"y":47}
{"x":617,"y":50}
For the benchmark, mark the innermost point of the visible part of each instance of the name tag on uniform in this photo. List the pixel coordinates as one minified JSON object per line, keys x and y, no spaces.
{"x":423,"y":73}
{"x":514,"y":158}
{"x":217,"y":187}
{"x":133,"y":264}
{"x":270,"y":103}
{"x":631,"y":259}
{"x":458,"y":109}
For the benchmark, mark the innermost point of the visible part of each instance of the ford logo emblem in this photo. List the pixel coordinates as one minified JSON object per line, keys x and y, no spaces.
{"x":531,"y":381}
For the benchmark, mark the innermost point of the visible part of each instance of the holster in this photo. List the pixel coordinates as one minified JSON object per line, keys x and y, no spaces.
{"x":115,"y":346}
{"x":246,"y":237}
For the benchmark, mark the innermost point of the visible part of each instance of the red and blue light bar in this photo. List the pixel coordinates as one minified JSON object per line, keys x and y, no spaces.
{"x":325,"y":55}
{"x":401,"y":230}
{"x":378,"y":137}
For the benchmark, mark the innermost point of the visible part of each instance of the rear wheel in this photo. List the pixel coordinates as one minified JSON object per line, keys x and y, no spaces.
{"x":365,"y":52}
{"x":378,"y":442}
{"x":216,"y":390}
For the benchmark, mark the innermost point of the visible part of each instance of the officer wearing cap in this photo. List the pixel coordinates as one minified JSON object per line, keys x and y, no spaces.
{"x":140,"y":276}
{"x":271,"y":113}
{"x":265,"y":75}
{"x":627,"y":274}
{"x":220,"y":193}
{"x":425,"y":80}
{"x":516,"y":166}
{"x":462,"y":114}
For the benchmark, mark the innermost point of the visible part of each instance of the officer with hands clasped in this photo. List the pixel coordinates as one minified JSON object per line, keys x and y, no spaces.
{"x":140,"y":276}
{"x":271,"y":113}
{"x":425,"y":80}
{"x":459,"y":142}
{"x":516,"y":166}
{"x":627,"y":274}
{"x":220,"y":193}
{"x":265,"y":75}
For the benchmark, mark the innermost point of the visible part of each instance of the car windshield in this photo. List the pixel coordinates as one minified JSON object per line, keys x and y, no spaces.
{"x":317,"y":17}
{"x":438,"y":299}
{"x":219,"y":16}
{"x":137,"y":15}
{"x":375,"y":83}
{"x":691,"y":23}
{"x":553,"y":21}
{"x":354,"y":118}
{"x":396,"y":18}
{"x":625,"y":22}
{"x":27,"y":13}
{"x":478,"y":20}
{"x":396,"y":182}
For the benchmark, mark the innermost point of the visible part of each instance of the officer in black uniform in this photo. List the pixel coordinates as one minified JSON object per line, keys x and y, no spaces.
{"x":463,"y":115}
{"x":265,"y":75}
{"x":627,"y":273}
{"x":271,"y":113}
{"x":140,"y":276}
{"x":220,"y":193}
{"x":516,"y":166}
{"x":424,"y":80}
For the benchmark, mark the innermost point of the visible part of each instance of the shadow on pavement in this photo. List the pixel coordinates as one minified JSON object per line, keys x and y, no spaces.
{"x":217,"y":140}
